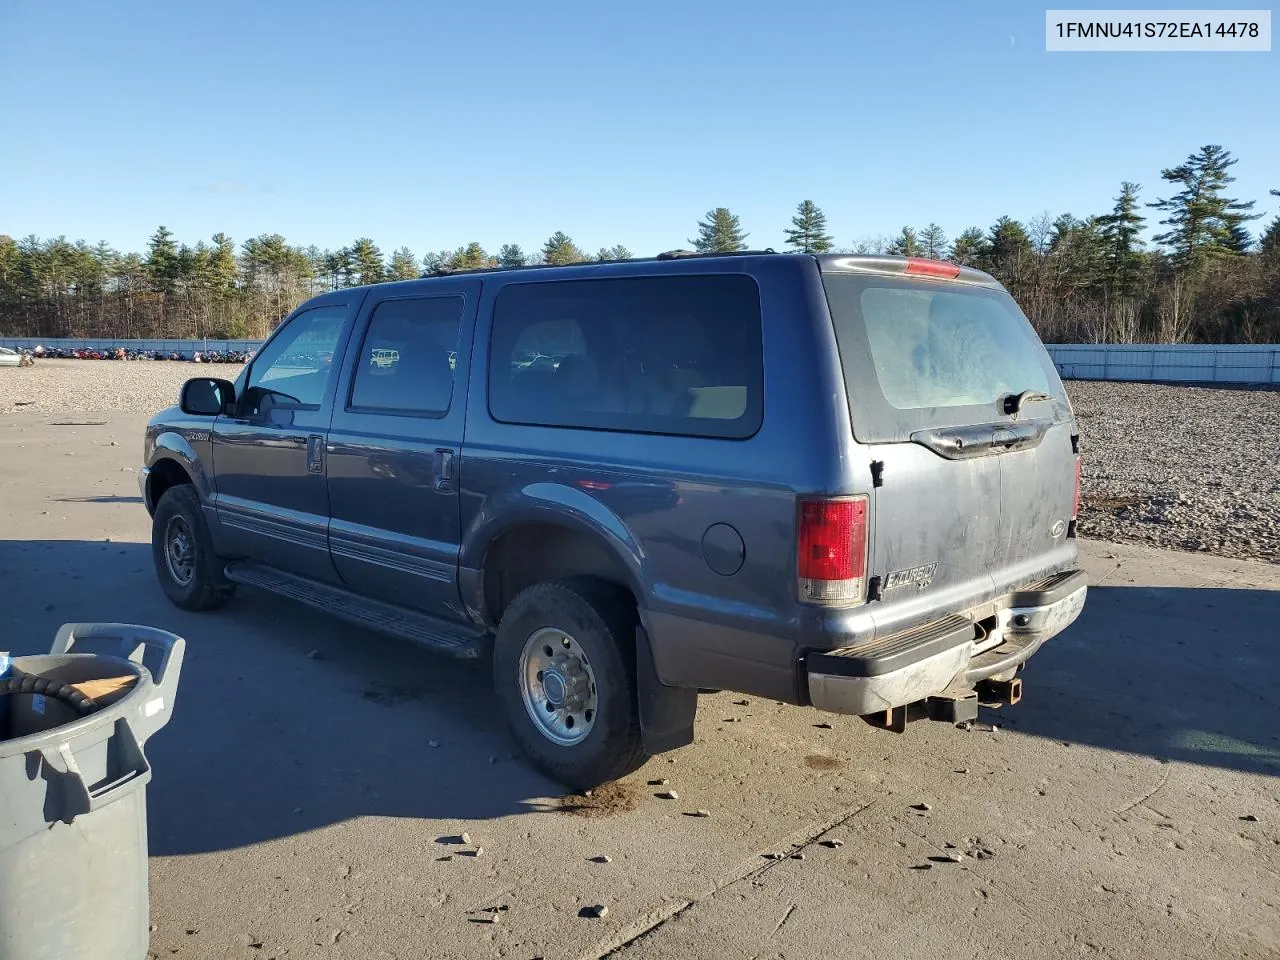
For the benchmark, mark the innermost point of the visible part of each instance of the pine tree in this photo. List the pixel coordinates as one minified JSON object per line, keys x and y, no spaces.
{"x":1203,"y":223}
{"x":338,"y":269}
{"x":1121,"y":242}
{"x":404,"y":265}
{"x":1238,"y":239}
{"x":1007,"y":242}
{"x":1077,"y":252}
{"x":618,"y":252}
{"x":162,"y":259}
{"x":719,"y":232}
{"x":933,"y":242}
{"x":366,"y":261}
{"x":559,"y":250}
{"x":1269,"y":242}
{"x":905,"y":244}
{"x":511,"y":255}
{"x":470,"y":257}
{"x":970,"y":248}
{"x":437,"y":262}
{"x":222,"y":263}
{"x":808,"y":233}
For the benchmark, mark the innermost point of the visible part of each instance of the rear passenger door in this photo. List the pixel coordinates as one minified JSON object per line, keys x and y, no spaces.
{"x":395,"y":445}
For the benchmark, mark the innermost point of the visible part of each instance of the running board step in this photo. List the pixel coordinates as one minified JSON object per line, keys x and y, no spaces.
{"x":455,"y":639}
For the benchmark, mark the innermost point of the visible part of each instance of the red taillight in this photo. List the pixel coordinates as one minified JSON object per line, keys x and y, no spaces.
{"x":932,"y":268}
{"x":1075,"y":508}
{"x":831,"y":558}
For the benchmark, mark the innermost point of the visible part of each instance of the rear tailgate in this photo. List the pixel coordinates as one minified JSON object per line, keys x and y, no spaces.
{"x":972,"y":498}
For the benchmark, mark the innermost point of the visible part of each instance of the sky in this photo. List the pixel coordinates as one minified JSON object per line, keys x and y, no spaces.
{"x":432,"y":125}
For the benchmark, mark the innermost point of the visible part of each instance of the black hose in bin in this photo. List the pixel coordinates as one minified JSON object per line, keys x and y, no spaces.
{"x":44,"y":686}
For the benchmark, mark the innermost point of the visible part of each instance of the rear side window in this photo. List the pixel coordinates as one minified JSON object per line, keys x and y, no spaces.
{"x":678,"y":355}
{"x":919,"y":354}
{"x":409,"y":356}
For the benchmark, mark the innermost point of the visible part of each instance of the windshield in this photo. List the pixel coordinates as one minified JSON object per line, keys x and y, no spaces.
{"x":919,"y":354}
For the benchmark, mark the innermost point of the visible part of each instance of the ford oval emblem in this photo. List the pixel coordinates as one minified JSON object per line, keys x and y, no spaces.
{"x":1058,"y":528}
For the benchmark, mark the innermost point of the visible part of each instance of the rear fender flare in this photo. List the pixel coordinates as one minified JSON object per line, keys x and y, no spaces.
{"x":550,"y":503}
{"x":666,"y":713}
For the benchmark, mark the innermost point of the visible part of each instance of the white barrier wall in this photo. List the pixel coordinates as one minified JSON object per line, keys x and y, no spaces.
{"x":1183,"y":363}
{"x":185,"y":347}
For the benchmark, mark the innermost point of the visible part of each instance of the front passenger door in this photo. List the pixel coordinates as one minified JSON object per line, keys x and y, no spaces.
{"x":268,"y":457}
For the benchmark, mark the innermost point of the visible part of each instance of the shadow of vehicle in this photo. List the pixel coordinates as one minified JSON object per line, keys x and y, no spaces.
{"x":285,"y":720}
{"x":288,"y":721}
{"x":1187,"y":674}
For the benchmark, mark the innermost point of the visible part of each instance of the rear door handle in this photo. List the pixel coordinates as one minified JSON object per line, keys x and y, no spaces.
{"x":444,"y":469}
{"x":315,"y":453}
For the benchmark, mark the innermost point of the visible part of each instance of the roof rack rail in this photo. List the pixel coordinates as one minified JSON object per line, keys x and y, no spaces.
{"x":667,"y":255}
{"x":679,"y":254}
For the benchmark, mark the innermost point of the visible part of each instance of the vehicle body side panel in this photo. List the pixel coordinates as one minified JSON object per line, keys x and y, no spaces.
{"x":651,"y":498}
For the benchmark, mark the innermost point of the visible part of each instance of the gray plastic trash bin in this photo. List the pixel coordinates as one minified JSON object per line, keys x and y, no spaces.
{"x":73,"y":809}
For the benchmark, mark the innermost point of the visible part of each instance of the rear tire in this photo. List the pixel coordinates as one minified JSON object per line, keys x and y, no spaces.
{"x":564,"y":674}
{"x":189,"y":572}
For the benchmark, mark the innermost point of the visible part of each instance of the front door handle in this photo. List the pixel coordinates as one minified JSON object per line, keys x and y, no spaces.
{"x":315,"y":453}
{"x":444,"y":469}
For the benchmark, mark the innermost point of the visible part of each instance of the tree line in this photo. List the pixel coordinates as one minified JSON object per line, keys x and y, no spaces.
{"x":1205,"y":278}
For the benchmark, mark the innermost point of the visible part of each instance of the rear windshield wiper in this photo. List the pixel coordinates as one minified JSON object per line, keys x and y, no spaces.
{"x":1012,"y":404}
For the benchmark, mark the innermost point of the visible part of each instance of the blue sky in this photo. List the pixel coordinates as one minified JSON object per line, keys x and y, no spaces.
{"x":432,"y":125}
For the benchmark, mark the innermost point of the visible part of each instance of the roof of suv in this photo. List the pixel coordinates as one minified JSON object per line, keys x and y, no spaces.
{"x":828,"y":262}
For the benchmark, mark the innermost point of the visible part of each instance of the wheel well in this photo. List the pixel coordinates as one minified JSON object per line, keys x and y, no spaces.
{"x":534,"y":552}
{"x":165,"y":474}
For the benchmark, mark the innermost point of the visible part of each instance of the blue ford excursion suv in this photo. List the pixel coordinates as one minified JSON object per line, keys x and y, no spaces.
{"x":840,"y":481}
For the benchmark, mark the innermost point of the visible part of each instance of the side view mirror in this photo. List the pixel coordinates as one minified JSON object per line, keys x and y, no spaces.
{"x":207,"y":396}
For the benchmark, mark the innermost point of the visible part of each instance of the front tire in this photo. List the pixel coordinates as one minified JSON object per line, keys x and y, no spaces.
{"x":564,"y":673}
{"x":189,"y":572}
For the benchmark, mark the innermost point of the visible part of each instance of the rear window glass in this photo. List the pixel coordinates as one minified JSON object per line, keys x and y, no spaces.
{"x":920,"y":354}
{"x":674,"y":355}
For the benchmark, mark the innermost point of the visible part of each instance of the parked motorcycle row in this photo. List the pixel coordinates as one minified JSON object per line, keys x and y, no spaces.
{"x":120,"y":353}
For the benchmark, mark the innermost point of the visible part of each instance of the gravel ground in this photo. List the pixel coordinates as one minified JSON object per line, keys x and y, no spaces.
{"x":1186,"y":468}
{"x":94,"y":386}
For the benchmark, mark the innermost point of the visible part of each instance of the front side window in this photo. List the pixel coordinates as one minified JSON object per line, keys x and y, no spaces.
{"x":295,"y":368}
{"x":409,"y":357}
{"x":679,"y":355}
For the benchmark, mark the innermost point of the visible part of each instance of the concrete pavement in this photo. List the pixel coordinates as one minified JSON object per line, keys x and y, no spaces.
{"x":298,"y":809}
